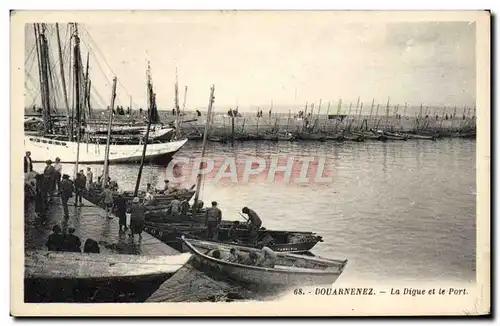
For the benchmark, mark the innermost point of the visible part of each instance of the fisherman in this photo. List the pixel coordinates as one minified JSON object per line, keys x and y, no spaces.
{"x":28,"y":163}
{"x":55,"y":242}
{"x":165,"y":187}
{"x":58,"y":173}
{"x":239,"y":257}
{"x":72,"y":242}
{"x":233,"y":231}
{"x":121,"y":211}
{"x":90,"y":178}
{"x":49,"y":178}
{"x":265,"y":258}
{"x":175,"y":207}
{"x":113,"y":185}
{"x":148,"y":197}
{"x":197,"y":206}
{"x":66,"y":193}
{"x":137,"y":215}
{"x":108,"y":201}
{"x":254,"y":220}
{"x":198,"y":113}
{"x":80,"y":183}
{"x":213,"y":218}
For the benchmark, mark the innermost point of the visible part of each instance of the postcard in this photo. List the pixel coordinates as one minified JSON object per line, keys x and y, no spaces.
{"x":250,"y":163}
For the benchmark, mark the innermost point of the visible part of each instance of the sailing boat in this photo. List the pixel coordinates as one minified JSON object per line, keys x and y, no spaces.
{"x":92,"y":148}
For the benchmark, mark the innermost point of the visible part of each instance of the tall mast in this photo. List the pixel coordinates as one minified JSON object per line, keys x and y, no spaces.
{"x":152,"y":106}
{"x":108,"y":138}
{"x":387,"y":115}
{"x":42,"y":52}
{"x":76,"y":70}
{"x":209,"y":118}
{"x":176,"y":92}
{"x":63,"y":79}
{"x":86,"y":86}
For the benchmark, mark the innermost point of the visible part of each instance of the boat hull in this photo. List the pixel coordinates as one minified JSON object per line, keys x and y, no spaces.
{"x":81,"y":277}
{"x":280,"y":276}
{"x":283,"y":241}
{"x":44,"y":148}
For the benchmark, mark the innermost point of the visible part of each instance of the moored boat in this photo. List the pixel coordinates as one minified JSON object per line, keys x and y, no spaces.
{"x":90,"y":153}
{"x":278,"y":240}
{"x":289,"y":269}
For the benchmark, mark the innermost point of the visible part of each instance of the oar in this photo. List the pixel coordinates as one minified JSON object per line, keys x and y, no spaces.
{"x":243,"y":216}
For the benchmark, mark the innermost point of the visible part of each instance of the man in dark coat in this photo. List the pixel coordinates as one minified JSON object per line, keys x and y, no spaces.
{"x":49,"y":174}
{"x":72,"y":243}
{"x":213,"y":218}
{"x":80,"y":183}
{"x":55,"y":242}
{"x":66,"y":193}
{"x":28,"y":163}
{"x":137,"y":216}
{"x":121,"y":211}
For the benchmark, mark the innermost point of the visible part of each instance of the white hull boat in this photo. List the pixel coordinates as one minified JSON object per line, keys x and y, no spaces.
{"x":42,"y":149}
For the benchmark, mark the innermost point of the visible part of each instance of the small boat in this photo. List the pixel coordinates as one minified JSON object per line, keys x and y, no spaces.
{"x":158,"y":207}
{"x":418,"y":136}
{"x":289,"y":269}
{"x":278,"y":240}
{"x":395,"y":136}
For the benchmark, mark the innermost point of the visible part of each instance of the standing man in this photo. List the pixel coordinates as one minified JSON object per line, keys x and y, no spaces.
{"x":66,"y":193}
{"x":28,"y":163}
{"x":58,"y":173}
{"x":253,"y":219}
{"x":79,"y":187}
{"x":137,"y":216}
{"x":213,"y":218}
{"x":49,"y":178}
{"x":121,"y":211}
{"x":90,"y":177}
{"x":108,"y":201}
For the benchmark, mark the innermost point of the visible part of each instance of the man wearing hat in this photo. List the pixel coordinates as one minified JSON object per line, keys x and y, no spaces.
{"x":137,"y":216}
{"x":49,"y":174}
{"x":66,"y":193}
{"x":213,"y":217}
{"x":121,"y":210}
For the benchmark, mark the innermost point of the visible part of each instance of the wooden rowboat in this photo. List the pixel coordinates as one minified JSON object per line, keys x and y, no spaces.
{"x":280,"y":241}
{"x":289,"y":269}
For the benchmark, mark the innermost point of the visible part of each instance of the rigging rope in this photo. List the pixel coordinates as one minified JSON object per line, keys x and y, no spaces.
{"x":106,"y":62}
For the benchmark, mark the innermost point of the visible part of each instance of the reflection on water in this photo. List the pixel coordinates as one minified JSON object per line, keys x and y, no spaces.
{"x":396,"y":210}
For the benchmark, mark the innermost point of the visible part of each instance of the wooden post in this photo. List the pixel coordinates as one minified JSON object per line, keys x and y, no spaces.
{"x":232,"y":129}
{"x":387,"y":115}
{"x":326,"y":118}
{"x":209,"y":115}
{"x":108,"y":138}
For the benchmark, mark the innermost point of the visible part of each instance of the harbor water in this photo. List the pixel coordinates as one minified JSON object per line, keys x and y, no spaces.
{"x":403,"y":210}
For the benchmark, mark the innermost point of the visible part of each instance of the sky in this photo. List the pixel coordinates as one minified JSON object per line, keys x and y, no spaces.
{"x":253,"y":60}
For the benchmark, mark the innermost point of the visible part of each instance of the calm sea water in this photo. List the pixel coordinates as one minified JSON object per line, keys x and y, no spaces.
{"x":396,"y":210}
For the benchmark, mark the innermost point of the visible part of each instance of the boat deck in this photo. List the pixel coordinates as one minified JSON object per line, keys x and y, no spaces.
{"x":89,"y":221}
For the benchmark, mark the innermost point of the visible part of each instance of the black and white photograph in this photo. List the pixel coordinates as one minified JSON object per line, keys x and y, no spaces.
{"x":320,"y":162}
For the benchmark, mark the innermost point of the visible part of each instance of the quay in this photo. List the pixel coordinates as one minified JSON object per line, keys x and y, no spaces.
{"x":90,"y":222}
